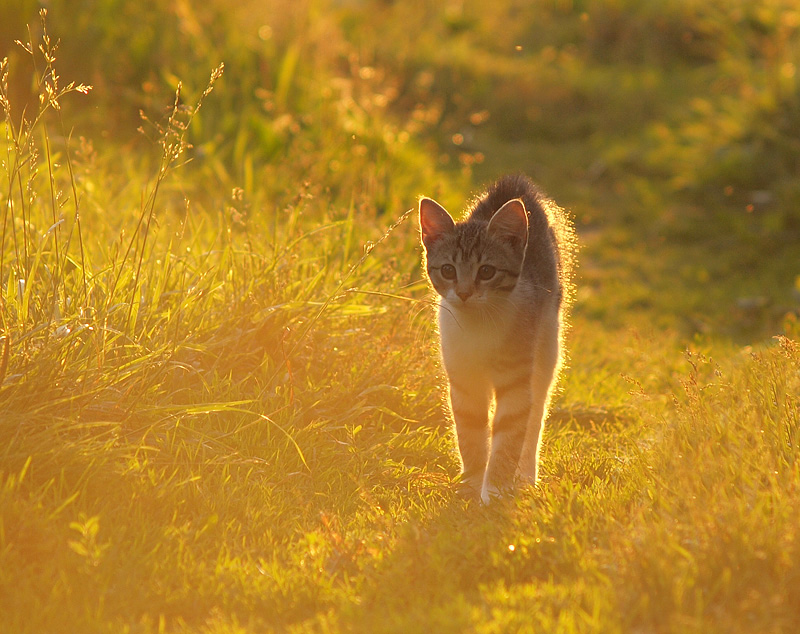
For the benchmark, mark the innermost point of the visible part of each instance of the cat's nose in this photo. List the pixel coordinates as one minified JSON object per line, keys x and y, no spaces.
{"x":464,"y":295}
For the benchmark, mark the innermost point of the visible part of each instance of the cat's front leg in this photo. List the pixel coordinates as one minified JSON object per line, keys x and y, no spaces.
{"x":545,"y":371}
{"x":514,"y":402}
{"x":469,"y":402}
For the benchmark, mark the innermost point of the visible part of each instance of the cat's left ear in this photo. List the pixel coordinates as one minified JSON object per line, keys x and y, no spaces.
{"x":434,"y":221}
{"x":510,"y":223}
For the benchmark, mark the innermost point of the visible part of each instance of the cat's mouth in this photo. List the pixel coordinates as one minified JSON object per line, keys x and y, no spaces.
{"x":472,"y":302}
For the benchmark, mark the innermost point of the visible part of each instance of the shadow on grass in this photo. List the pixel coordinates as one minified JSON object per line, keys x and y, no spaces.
{"x":432,"y":579}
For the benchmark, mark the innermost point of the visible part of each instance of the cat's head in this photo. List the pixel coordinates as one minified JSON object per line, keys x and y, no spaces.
{"x":473,"y":263}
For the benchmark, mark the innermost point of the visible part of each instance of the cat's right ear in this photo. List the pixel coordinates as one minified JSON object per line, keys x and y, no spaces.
{"x":434,"y":221}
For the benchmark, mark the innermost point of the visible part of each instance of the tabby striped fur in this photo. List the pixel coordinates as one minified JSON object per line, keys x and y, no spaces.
{"x":503,"y":276}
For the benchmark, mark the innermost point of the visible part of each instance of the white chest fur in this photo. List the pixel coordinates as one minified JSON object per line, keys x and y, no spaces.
{"x":471,"y":339}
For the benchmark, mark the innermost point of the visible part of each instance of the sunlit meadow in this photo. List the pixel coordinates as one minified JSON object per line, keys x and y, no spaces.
{"x":220,"y":398}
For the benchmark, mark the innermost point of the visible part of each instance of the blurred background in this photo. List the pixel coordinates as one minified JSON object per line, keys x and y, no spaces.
{"x":673,"y":122}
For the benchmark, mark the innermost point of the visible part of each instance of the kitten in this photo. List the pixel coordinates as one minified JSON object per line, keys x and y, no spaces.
{"x":503,"y":275}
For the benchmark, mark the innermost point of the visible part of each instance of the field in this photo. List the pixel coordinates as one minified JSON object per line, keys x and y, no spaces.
{"x":221,"y":404}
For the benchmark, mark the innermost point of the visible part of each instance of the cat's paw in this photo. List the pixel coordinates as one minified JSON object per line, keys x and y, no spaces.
{"x":468,"y":489}
{"x":490,"y":493}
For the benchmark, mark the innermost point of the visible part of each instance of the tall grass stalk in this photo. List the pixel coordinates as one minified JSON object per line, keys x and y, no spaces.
{"x":172,"y":140}
{"x":21,"y":153}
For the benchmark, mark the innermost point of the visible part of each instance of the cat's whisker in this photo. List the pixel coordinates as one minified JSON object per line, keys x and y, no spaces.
{"x":416,"y":300}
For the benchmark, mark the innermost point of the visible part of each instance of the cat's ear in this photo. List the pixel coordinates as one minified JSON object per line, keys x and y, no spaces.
{"x":434,"y":221}
{"x":510,"y":223}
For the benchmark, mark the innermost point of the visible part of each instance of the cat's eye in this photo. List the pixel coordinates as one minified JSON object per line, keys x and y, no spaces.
{"x":448,"y":271}
{"x":486,"y":272}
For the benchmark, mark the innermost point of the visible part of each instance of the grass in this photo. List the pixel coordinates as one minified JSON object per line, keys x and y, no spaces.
{"x":220,"y":400}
